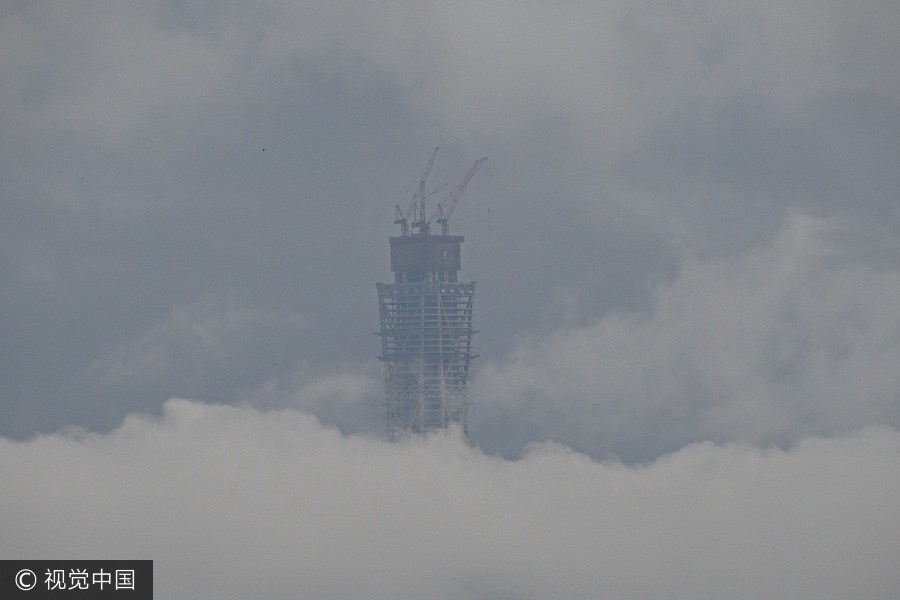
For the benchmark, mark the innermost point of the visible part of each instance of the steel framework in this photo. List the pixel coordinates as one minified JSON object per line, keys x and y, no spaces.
{"x":426,"y":345}
{"x":426,"y":320}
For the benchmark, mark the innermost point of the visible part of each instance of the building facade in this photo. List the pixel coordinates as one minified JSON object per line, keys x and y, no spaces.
{"x":426,"y":336}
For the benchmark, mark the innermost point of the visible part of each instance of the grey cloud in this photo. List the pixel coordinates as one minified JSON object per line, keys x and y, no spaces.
{"x":205,"y":338}
{"x":795,"y":336}
{"x":626,"y":141}
{"x":230,"y":503}
{"x":349,"y":398}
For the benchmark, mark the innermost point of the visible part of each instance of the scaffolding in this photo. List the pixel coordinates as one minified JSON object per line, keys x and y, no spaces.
{"x":426,"y":336}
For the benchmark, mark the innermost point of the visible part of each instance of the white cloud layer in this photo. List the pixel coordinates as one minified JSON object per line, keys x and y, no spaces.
{"x":235,"y":503}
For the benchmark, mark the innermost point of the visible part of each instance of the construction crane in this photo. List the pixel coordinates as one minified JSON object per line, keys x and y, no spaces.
{"x":416,"y":208}
{"x":445,"y":208}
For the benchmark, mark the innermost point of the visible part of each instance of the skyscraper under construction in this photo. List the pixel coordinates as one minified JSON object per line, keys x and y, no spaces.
{"x":426,"y":319}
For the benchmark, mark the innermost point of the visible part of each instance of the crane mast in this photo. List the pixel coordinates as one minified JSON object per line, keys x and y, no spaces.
{"x":417,"y":204}
{"x":441,"y":214}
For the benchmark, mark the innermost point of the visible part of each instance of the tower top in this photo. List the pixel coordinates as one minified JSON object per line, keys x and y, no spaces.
{"x":421,"y":258}
{"x":439,"y":253}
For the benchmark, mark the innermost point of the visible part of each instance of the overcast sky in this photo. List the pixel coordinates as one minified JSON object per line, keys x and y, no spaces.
{"x":686,"y":240}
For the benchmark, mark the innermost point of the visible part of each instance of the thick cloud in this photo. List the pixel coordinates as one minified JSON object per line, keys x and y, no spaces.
{"x":231,"y":503}
{"x":799,"y":335}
